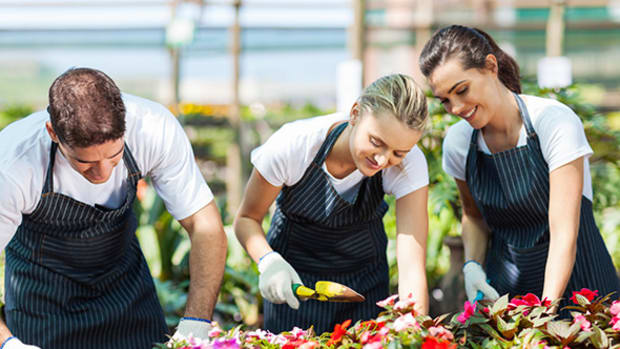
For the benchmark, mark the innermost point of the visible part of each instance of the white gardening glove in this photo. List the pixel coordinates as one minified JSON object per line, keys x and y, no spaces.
{"x":276,"y":280}
{"x":14,"y":343}
{"x":476,"y":280}
{"x":195,"y":327}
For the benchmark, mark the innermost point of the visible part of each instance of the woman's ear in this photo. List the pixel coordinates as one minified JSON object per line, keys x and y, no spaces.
{"x":354,"y":114}
{"x":490,"y":63}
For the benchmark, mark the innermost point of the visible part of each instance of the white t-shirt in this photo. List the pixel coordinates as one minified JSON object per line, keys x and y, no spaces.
{"x":155,"y":138}
{"x":286,"y":155}
{"x":559,"y":129}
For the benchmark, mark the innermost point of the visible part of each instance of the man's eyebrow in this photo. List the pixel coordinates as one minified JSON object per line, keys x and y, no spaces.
{"x":113,"y":156}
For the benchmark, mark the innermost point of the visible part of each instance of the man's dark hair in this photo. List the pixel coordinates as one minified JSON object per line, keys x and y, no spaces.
{"x":86,"y":108}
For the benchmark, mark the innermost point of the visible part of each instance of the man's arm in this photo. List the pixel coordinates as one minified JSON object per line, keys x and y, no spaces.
{"x":207,"y":260}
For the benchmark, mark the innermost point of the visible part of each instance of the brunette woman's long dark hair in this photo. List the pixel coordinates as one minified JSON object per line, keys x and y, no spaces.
{"x":471,"y":46}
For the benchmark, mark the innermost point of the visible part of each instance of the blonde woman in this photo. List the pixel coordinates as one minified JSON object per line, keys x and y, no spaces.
{"x":330,"y":175}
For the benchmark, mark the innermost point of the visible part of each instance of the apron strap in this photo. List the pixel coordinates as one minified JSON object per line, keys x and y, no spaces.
{"x":525,"y":116}
{"x":328,"y":144}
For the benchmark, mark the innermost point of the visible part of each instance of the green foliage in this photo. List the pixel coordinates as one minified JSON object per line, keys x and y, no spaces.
{"x":12,"y":113}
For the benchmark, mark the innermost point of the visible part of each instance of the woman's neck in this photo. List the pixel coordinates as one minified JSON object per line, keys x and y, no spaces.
{"x":507,"y":119}
{"x":502,"y":130}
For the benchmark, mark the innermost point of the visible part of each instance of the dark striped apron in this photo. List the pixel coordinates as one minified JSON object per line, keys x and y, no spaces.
{"x":511,"y":190}
{"x":76,"y":277}
{"x":324,"y":237}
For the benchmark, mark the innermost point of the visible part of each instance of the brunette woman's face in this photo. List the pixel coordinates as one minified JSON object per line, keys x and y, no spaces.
{"x":472,"y":94}
{"x":379,"y":141}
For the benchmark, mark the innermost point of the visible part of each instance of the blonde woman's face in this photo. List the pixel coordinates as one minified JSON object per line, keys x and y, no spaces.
{"x":379,"y":141}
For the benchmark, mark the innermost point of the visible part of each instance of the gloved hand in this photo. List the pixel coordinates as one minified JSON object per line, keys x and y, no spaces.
{"x":276,"y":279}
{"x":476,"y":280}
{"x":196,"y":327}
{"x":15,"y":343}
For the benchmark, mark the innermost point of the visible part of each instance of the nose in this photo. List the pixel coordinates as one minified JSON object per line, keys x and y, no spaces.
{"x":381,"y":159}
{"x":456,"y":108}
{"x":103,"y":169}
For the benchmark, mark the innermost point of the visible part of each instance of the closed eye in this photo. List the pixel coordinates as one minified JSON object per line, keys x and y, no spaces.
{"x":462,"y":91}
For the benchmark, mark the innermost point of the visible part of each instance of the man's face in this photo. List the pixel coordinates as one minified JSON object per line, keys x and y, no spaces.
{"x":95,"y":163}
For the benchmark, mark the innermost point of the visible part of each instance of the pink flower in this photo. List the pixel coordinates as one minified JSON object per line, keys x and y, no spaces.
{"x":309,"y":345}
{"x":405,"y":321}
{"x":215,"y":332}
{"x":589,"y":294}
{"x":615,"y":308}
{"x":226,"y":344}
{"x":404,"y":304}
{"x":388,"y":301}
{"x":368,"y":338}
{"x":615,"y":321}
{"x":441,"y":332}
{"x":467,"y":313}
{"x":583,"y":322}
{"x":373,"y":345}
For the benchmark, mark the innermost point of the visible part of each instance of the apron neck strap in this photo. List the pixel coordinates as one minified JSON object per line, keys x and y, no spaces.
{"x":329,"y":142}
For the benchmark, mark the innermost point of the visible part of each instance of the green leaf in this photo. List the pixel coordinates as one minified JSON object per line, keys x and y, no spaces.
{"x":583,"y":335}
{"x":541,"y":321}
{"x":599,"y":338}
{"x":583,"y":301}
{"x":500,"y":305}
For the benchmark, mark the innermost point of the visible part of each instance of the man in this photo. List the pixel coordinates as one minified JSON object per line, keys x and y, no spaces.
{"x":75,"y":275}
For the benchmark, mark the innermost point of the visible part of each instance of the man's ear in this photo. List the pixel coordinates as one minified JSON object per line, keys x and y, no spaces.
{"x":51,"y":132}
{"x":490,"y":63}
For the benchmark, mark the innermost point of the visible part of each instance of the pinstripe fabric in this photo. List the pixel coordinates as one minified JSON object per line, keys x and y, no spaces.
{"x":511,"y":190}
{"x":76,"y":277}
{"x":324,"y":237}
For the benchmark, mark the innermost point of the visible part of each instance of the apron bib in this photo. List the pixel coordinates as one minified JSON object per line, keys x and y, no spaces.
{"x":76,"y":276}
{"x":511,"y":190}
{"x":325,"y":237}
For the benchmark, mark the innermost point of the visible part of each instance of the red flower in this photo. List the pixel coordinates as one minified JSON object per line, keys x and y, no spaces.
{"x":529,"y":300}
{"x":589,"y":294}
{"x":433,"y":343}
{"x":339,"y":331}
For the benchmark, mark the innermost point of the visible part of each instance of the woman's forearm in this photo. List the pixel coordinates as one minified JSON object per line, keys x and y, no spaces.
{"x":475,"y":238}
{"x":251,"y":236}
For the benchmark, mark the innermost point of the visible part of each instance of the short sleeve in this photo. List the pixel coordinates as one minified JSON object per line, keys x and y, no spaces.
{"x":283,"y":158}
{"x":175,"y":174}
{"x":561,"y":134}
{"x":11,"y":207}
{"x":455,"y":148}
{"x":410,"y":176}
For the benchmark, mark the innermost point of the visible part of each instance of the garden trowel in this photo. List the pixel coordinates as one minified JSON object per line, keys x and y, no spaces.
{"x":327,"y":291}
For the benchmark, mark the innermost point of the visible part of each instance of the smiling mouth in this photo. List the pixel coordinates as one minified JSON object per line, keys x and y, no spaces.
{"x":372,"y":164}
{"x":470,"y":114}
